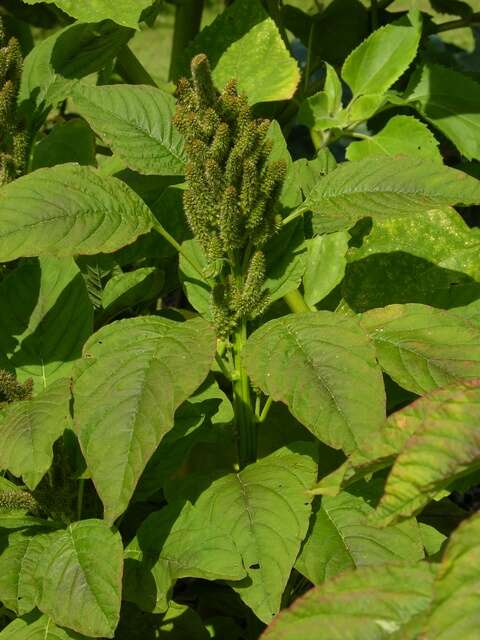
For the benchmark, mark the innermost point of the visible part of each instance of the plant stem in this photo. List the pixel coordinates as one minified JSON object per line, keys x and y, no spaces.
{"x":299,"y":211}
{"x":374,"y":11}
{"x":266,"y":408}
{"x":188,"y":18}
{"x":171,"y":240}
{"x":296,"y":302}
{"x":242,"y":403}
{"x":471,"y":21}
{"x":81,"y":490}
{"x":131,"y":69}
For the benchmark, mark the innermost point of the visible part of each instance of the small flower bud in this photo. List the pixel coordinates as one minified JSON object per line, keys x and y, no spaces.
{"x":202,"y":81}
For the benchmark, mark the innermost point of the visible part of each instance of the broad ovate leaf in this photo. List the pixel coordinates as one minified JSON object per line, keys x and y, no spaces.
{"x":134,"y":375}
{"x":383,"y":57}
{"x":444,"y":446}
{"x":35,"y":627}
{"x":369,"y":603}
{"x":124,"y":12}
{"x":28,"y":430}
{"x":456,"y":588}
{"x":380,"y":187}
{"x":402,"y":135}
{"x":79,"y":577}
{"x":323,"y":367}
{"x":68,"y":210}
{"x":341,"y":538}
{"x":423,"y":348}
{"x":136,"y":123}
{"x":45,"y":318}
{"x":176,"y":543}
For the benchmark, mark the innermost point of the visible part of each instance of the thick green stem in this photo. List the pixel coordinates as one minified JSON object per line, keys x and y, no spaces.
{"x":188,"y":18}
{"x":242,"y":403}
{"x":131,"y":69}
{"x":470,"y":21}
{"x":296,"y":302}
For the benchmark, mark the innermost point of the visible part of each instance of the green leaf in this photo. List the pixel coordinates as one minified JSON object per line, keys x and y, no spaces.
{"x":37,"y":628}
{"x":55,"y":64}
{"x":455,"y":601}
{"x":326,"y":262}
{"x":361,"y":108}
{"x":334,"y":386}
{"x":341,"y":538}
{"x":134,"y":375}
{"x":443,"y":447}
{"x":265,"y":509}
{"x":68,"y":210}
{"x":80,"y":578}
{"x":383,"y":187}
{"x":237,"y":44}
{"x":131,"y":288}
{"x":365,"y":604}
{"x":124,"y":12}
{"x":402,"y":135}
{"x":28,"y":430}
{"x":383,"y":57}
{"x":320,"y":110}
{"x":136,"y":122}
{"x":430,"y":259}
{"x":421,"y":347}
{"x":45,"y":318}
{"x":71,"y":141}
{"x":448,"y":99}
{"x":176,"y":543}
{"x":198,"y":287}
{"x":285,"y":255}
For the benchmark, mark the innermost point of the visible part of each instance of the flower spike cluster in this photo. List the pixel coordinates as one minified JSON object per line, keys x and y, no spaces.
{"x":231,"y":200}
{"x":13,"y":138}
{"x":11,"y":390}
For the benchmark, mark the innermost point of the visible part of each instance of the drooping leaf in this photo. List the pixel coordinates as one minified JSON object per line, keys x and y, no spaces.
{"x":79,"y":578}
{"x":381,"y":187}
{"x":71,"y":141}
{"x":131,"y":288}
{"x":28,"y":430}
{"x":198,"y":287}
{"x":265,"y":509}
{"x":326,"y":262}
{"x":176,"y":543}
{"x":382,"y":58}
{"x":365,"y":604}
{"x":68,"y":210}
{"x":286,"y":256}
{"x":402,"y":135}
{"x":423,"y":348}
{"x":341,"y":538}
{"x":448,"y":99}
{"x":124,"y":12}
{"x":135,"y":373}
{"x":45,"y":318}
{"x":444,"y":446}
{"x":323,"y":367}
{"x":34,"y":627}
{"x":457,"y":585}
{"x":136,"y":122}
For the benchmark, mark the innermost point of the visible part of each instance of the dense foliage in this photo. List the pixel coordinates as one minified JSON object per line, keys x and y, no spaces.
{"x":239,"y":321}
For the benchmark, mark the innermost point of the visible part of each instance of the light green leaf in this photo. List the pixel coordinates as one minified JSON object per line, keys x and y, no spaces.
{"x":265,"y":509}
{"x":326,"y":262}
{"x":136,"y":122}
{"x":79,"y":578}
{"x":457,"y":586}
{"x":340,"y":538}
{"x":71,"y":141}
{"x":37,"y":628}
{"x":362,"y":108}
{"x":383,"y":57}
{"x":323,"y":367}
{"x":68,"y":210}
{"x":134,"y":375}
{"x":445,"y":445}
{"x":421,"y":347}
{"x":448,"y":99}
{"x":131,"y":288}
{"x":55,"y":64}
{"x":402,"y":135}
{"x":124,"y":12}
{"x":28,"y":430}
{"x":176,"y":543}
{"x":45,"y":318}
{"x":197,"y":286}
{"x":365,"y":604}
{"x":382,"y":187}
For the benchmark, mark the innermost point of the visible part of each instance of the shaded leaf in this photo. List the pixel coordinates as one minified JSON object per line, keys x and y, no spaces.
{"x":326,"y":262}
{"x":131,"y":288}
{"x":37,"y":628}
{"x":71,"y":141}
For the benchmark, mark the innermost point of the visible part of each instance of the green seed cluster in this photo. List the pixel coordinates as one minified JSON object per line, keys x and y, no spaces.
{"x":18,"y":500}
{"x":231,"y":200}
{"x":13,"y":138}
{"x":11,"y":390}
